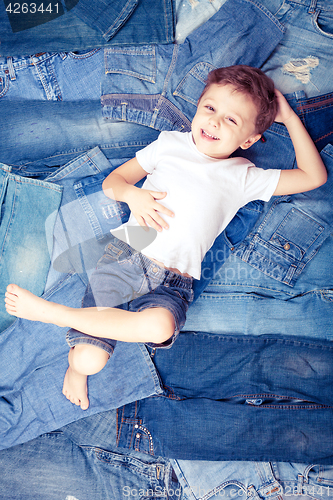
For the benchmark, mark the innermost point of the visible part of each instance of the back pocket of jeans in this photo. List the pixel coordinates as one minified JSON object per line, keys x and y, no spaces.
{"x":137,"y":61}
{"x":192,"y":85}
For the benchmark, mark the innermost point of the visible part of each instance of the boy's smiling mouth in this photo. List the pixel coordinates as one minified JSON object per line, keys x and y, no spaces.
{"x":208,"y":136}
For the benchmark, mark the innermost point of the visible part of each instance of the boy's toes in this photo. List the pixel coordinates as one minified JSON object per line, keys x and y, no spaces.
{"x":13,"y":289}
{"x":84,"y":404}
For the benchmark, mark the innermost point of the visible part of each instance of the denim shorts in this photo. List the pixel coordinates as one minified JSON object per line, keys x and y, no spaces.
{"x":127,"y":279}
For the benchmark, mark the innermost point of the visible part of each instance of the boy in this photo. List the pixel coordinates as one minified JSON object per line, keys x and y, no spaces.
{"x":202,"y":188}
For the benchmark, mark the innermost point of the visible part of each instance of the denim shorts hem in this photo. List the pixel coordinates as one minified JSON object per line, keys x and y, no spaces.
{"x":103,"y":343}
{"x":168,"y":343}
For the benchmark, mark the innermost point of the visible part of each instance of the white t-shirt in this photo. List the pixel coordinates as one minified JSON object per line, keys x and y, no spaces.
{"x":204,"y":193}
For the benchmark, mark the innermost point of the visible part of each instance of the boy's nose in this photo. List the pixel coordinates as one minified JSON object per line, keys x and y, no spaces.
{"x":213,"y":121}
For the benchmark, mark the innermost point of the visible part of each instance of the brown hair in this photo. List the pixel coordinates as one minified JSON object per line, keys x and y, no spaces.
{"x":254,"y":83}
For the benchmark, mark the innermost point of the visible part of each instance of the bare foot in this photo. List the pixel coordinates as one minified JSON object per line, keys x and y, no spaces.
{"x":75,"y":388}
{"x":26,"y":305}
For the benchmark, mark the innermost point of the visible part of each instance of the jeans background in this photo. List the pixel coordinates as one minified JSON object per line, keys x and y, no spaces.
{"x":295,"y":474}
{"x":303,"y":58}
{"x":158,"y":86}
{"x":83,"y":463}
{"x":80,"y":25}
{"x":28,"y":215}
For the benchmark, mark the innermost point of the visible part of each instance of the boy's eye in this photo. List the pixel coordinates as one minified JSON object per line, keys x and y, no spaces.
{"x":232,"y":120}
{"x":210,"y":108}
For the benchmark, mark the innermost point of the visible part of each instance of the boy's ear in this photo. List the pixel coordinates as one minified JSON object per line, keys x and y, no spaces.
{"x":247,"y":144}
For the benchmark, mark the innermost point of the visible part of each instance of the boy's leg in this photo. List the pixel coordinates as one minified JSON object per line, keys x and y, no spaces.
{"x":149,"y":325}
{"x":84,"y":360}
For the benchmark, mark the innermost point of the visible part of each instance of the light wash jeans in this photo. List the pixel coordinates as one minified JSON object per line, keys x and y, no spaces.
{"x":30,"y":28}
{"x":190,"y":14}
{"x":253,"y":480}
{"x":303,"y":58}
{"x":62,"y":76}
{"x":82,"y":462}
{"x":28,"y":215}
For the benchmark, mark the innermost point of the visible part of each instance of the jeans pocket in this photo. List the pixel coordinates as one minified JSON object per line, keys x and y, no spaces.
{"x":4,"y":83}
{"x":296,"y":233}
{"x":323,"y":23}
{"x":136,"y":61}
{"x":192,"y":85}
{"x":319,"y":475}
{"x":82,"y":55}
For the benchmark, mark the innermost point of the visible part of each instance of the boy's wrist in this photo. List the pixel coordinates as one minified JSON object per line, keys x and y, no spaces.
{"x":293,"y":118}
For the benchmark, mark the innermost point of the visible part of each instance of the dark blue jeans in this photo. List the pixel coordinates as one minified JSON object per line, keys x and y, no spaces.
{"x":26,"y":28}
{"x":237,"y":398}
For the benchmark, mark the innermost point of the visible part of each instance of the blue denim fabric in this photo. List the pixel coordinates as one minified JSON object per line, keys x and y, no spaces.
{"x":303,"y":58}
{"x":163,"y":83}
{"x":292,"y":230}
{"x":240,"y":398}
{"x":61,"y":76}
{"x":246,"y":480}
{"x":83,"y":25}
{"x":82,"y":462}
{"x":33,"y":365}
{"x":125,"y":277}
{"x":28,"y":214}
{"x":38,"y":136}
{"x":75,"y":247}
{"x":190,"y":14}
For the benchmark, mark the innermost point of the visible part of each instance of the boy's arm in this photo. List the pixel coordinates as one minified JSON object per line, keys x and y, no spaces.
{"x":311,"y":171}
{"x":119,"y":185}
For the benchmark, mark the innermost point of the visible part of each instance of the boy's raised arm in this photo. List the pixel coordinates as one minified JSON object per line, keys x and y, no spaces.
{"x":311,"y":171}
{"x":119,"y":185}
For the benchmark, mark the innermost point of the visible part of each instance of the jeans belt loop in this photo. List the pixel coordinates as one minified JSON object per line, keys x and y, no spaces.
{"x":11,"y":68}
{"x":300,"y":481}
{"x":312,"y":8}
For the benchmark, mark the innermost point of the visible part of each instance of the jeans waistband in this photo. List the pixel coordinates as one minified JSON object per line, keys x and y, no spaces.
{"x":5,"y":173}
{"x":170,"y":277}
{"x":15,"y":63}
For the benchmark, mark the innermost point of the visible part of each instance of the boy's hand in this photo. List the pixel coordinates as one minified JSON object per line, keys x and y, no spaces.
{"x":146,"y":209}
{"x":285,"y":112}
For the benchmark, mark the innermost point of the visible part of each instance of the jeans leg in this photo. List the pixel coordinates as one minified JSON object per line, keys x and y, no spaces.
{"x":252,"y":398}
{"x":37,"y":137}
{"x":28,"y":212}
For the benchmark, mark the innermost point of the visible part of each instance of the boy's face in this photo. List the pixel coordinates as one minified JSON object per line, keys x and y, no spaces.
{"x":224,"y":121}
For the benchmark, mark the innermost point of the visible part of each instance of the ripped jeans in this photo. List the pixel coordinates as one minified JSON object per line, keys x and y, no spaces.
{"x":303,"y":58}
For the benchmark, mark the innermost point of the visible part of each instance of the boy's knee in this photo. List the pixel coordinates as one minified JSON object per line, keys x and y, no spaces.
{"x":163,"y":326}
{"x":87,"y":359}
